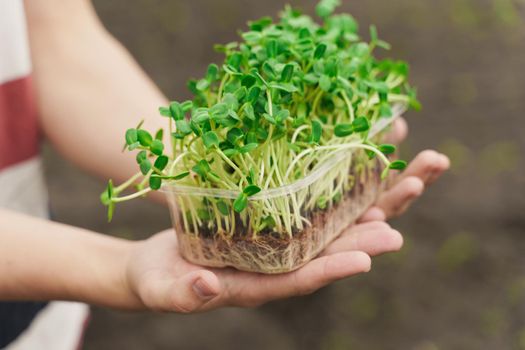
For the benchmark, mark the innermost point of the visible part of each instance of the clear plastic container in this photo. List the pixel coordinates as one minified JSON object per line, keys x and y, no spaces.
{"x":308,"y":214}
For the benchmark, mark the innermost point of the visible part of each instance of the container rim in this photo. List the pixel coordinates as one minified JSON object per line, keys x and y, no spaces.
{"x":170,"y":188}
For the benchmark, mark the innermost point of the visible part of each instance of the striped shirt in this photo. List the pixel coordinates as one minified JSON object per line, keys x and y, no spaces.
{"x":26,"y":325}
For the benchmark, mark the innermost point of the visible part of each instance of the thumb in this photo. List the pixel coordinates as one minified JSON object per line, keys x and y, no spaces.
{"x":188,"y":293}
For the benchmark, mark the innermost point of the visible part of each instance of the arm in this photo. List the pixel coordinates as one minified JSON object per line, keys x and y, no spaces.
{"x":89,"y":89}
{"x":40,"y":260}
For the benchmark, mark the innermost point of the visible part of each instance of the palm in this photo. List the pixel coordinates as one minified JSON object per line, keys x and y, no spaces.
{"x":164,"y":280}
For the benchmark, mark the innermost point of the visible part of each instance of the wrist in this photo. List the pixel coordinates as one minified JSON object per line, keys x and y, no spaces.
{"x":122,"y":294}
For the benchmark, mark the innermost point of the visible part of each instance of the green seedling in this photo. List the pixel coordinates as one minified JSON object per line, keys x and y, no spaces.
{"x":288,"y":96}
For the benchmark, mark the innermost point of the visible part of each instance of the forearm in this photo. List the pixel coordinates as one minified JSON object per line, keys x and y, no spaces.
{"x":41,"y":260}
{"x":89,"y":89}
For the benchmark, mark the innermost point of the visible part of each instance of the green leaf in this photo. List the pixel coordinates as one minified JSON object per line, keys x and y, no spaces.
{"x":343,"y":130}
{"x":269,"y":118}
{"x":387,"y":148}
{"x":253,"y":94}
{"x":330,"y":67}
{"x":186,"y":106}
{"x":219,"y":110}
{"x":370,"y":154}
{"x":251,"y":177}
{"x":251,"y":137}
{"x":373,"y":33}
{"x":248,"y":148}
{"x":161,"y":162}
{"x":230,"y":152}
{"x":248,"y":111}
{"x":282,"y":115}
{"x":176,"y":111}
{"x":260,"y":24}
{"x":252,"y":37}
{"x":157,"y":147}
{"x":159,"y":135}
{"x":165,"y":111}
{"x":319,"y":51}
{"x":322,"y":202}
{"x":183,"y":127}
{"x":272,"y":48}
{"x":195,"y":128}
{"x":145,"y":166}
{"x":203,"y":214}
{"x":141,"y":156}
{"x":202,"y":85}
{"x":228,"y":68}
{"x":231,"y":101}
{"x":413,"y":101}
{"x":133,"y":146}
{"x":262,"y":134}
{"x":248,"y":80}
{"x":325,"y":83}
{"x":268,"y":222}
{"x":223,"y":208}
{"x":250,"y":190}
{"x":144,"y":138}
{"x":202,"y":168}
{"x":155,"y":182}
{"x":200,"y":115}
{"x":287,"y":73}
{"x":234,"y":61}
{"x":398,"y":165}
{"x":268,"y":69}
{"x":181,"y":175}
{"x":326,"y":7}
{"x":240,"y":93}
{"x":109,"y":190}
{"x":311,"y":79}
{"x":317,"y":131}
{"x":210,"y":139}
{"x":288,"y":87}
{"x":211,"y":73}
{"x":240,"y":203}
{"x":234,"y":135}
{"x":385,"y":111}
{"x":131,"y":136}
{"x":337,"y":197}
{"x":361,"y":124}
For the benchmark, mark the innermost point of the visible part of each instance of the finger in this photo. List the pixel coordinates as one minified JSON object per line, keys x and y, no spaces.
{"x":397,"y":199}
{"x":399,"y":132}
{"x":322,"y":271}
{"x":372,"y":214}
{"x":186,"y":294}
{"x":373,"y":242}
{"x":258,"y":289}
{"x":428,"y":165}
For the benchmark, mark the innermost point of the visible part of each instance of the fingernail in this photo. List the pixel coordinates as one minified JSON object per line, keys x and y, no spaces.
{"x":203,"y":290}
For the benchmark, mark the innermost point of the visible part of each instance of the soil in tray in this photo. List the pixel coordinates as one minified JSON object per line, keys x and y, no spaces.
{"x":273,"y":252}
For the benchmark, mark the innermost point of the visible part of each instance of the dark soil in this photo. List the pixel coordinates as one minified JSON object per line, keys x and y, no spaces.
{"x":271,"y":251}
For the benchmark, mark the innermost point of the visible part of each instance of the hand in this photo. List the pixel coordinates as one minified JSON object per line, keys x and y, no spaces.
{"x":424,"y":170}
{"x":161,"y":280}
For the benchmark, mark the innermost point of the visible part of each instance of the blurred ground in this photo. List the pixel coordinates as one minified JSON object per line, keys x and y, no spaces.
{"x":459,"y":283}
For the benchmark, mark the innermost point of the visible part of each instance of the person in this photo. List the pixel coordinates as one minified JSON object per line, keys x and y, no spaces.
{"x":63,"y":77}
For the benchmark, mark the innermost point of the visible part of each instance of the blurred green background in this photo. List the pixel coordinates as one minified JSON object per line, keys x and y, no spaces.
{"x":459,"y":282}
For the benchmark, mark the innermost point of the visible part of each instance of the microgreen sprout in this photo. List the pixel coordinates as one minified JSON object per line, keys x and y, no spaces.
{"x":288,"y":97}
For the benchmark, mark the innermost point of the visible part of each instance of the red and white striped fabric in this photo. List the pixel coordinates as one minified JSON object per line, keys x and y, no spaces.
{"x":59,"y":326}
